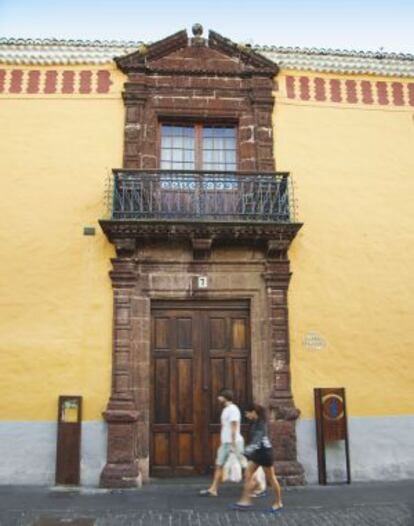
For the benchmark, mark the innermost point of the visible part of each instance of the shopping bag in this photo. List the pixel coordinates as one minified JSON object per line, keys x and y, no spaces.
{"x":232,"y":469}
{"x":260,"y":477}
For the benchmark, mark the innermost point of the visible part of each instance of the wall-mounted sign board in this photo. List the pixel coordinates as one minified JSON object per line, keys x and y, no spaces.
{"x":68,"y":440}
{"x":331,"y":425}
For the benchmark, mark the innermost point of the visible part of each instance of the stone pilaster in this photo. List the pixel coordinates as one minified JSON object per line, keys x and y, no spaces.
{"x":121,"y":469}
{"x":282,"y":410}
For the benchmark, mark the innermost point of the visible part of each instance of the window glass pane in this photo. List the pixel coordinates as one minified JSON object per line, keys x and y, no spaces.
{"x":177,"y":147}
{"x":177,"y":155}
{"x":230,"y":144}
{"x":166,"y":142}
{"x":230,"y":156}
{"x":219,"y":131}
{"x":207,"y":144}
{"x":230,"y":133}
{"x":188,"y":142}
{"x":219,"y":147}
{"x":178,"y":142}
{"x":189,"y":156}
{"x":177,"y":131}
{"x":166,"y":155}
{"x":219,"y":144}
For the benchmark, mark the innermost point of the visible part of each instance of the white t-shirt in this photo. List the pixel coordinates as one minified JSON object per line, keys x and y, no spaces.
{"x":230,"y":413}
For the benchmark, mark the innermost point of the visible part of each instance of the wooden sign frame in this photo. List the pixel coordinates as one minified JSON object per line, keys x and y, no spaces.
{"x":68,"y":447}
{"x":331,"y":425}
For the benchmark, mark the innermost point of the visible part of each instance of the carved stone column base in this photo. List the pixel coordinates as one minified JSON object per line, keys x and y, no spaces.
{"x":290,"y":472}
{"x":121,"y":470}
{"x":282,"y":434}
{"x":121,"y":476}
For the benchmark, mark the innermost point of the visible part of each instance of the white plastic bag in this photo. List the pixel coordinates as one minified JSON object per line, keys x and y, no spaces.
{"x":232,"y":469}
{"x":260,"y":477}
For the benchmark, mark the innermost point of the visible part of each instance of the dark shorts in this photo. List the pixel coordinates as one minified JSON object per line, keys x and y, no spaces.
{"x":262,"y":457}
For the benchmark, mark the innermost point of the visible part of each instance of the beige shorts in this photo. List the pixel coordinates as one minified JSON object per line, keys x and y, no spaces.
{"x":224,"y":450}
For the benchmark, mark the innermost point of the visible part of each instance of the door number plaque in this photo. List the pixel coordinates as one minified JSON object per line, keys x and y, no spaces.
{"x":202,"y":282}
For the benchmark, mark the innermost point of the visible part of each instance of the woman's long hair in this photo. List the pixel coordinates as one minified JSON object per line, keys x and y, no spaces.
{"x":258,"y":409}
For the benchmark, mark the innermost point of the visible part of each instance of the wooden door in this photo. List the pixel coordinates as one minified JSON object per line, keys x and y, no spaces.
{"x":197,"y":349}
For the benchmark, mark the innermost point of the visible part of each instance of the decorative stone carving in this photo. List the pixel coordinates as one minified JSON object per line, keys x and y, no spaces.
{"x":201,"y":248}
{"x":165,"y":230}
{"x":124,"y":246}
{"x":277,"y":248}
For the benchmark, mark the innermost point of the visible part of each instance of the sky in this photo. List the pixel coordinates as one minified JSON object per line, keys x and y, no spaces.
{"x":346,"y":24}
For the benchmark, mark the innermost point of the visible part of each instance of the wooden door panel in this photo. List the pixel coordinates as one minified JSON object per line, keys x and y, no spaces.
{"x":162,"y":390}
{"x":161,"y":450}
{"x":240,"y":381}
{"x":161,"y":333}
{"x":184,"y":333}
{"x":217,"y":333}
{"x":239,"y":333}
{"x":185,"y":386}
{"x":186,"y":449}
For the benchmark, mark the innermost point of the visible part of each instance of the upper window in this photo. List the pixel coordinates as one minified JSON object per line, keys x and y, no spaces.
{"x":198,"y":147}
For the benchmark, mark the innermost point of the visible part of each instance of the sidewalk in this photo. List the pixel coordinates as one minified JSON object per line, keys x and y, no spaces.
{"x":176,"y":503}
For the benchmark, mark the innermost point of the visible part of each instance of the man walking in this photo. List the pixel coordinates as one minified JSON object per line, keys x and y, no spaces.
{"x":231,"y":439}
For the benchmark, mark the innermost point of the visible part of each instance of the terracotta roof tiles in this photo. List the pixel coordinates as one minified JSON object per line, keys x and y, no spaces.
{"x":56,"y":51}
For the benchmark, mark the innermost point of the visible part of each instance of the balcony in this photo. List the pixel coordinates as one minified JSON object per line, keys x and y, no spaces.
{"x":154,"y":203}
{"x":200,"y":196}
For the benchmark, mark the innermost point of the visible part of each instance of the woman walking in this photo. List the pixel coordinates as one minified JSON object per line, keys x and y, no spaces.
{"x":259,"y":453}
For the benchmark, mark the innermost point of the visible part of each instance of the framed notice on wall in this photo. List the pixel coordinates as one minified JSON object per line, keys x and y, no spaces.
{"x":331,"y":426}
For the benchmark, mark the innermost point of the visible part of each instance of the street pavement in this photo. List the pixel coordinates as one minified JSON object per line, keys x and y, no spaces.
{"x":176,"y":503}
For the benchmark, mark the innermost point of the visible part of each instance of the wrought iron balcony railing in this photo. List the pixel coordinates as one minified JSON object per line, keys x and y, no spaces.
{"x":201,"y":196}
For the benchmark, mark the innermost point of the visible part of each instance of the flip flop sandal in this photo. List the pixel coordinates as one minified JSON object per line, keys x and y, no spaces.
{"x":206,"y":493}
{"x":241,"y":507}
{"x":275,"y":510}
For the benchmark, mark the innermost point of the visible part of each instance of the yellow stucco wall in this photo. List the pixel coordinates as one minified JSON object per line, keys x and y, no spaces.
{"x":353,"y":168}
{"x":352,"y":261}
{"x":56,"y":299}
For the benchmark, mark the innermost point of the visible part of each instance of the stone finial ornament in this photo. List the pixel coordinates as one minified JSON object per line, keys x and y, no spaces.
{"x":197,"y":30}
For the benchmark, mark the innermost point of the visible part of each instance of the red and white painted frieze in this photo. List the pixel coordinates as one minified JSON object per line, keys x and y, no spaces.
{"x":350,"y":91}
{"x":54,"y":81}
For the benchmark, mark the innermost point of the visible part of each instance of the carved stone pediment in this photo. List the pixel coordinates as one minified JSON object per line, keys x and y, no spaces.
{"x":180,"y":54}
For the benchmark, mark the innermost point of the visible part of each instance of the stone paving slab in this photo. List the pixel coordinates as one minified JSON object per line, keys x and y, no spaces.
{"x":382,"y":515}
{"x":176,"y":503}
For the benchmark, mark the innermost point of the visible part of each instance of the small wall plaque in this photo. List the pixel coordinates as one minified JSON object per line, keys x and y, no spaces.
{"x":314,"y":341}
